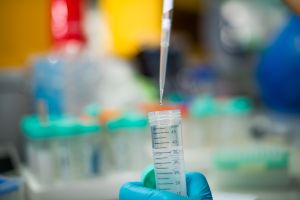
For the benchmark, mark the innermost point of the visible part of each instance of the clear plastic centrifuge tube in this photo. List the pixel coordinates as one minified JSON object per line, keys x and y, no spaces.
{"x":164,"y":44}
{"x":168,"y":151}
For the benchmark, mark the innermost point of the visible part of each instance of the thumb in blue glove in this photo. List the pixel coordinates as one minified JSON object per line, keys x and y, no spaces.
{"x":197,"y":189}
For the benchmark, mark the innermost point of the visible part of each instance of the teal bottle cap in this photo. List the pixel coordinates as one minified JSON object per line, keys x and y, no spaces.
{"x":148,"y":177}
{"x":128,"y":121}
{"x":33,"y":128}
{"x":203,"y":106}
{"x":57,"y":127}
{"x":66,"y":127}
{"x":235,"y":106}
{"x":89,"y":127}
{"x":175,"y":98}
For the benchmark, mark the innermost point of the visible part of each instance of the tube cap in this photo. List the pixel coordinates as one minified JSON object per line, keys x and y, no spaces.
{"x":203,"y":106}
{"x":129,"y":120}
{"x":235,"y":106}
{"x":34,"y":129}
{"x":148,"y":177}
{"x":89,"y":127}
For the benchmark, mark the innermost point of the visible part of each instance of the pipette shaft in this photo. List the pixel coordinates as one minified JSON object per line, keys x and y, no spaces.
{"x":164,"y":44}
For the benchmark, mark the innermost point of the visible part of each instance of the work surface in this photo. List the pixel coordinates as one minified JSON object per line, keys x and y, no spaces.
{"x":107,"y":187}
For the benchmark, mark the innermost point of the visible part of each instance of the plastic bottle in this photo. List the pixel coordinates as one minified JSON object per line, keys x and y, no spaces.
{"x":39,"y":149}
{"x":129,"y":142}
{"x":201,"y":126}
{"x":89,"y":148}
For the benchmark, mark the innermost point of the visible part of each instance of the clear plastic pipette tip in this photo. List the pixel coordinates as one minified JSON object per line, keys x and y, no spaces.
{"x":161,"y":96}
{"x":163,"y":60}
{"x":165,"y":38}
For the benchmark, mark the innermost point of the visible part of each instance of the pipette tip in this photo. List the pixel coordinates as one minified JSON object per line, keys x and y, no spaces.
{"x":161,"y":96}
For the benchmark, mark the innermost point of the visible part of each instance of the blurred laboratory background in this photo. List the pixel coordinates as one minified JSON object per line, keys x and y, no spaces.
{"x":78,"y":78}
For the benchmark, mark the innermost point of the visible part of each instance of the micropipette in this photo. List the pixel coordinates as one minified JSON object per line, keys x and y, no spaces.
{"x":164,"y":43}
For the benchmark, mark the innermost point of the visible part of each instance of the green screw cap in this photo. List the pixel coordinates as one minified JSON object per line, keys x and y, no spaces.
{"x":65,"y":127}
{"x":129,"y":120}
{"x":203,"y":106}
{"x":33,"y":128}
{"x":89,"y":127}
{"x":235,"y":106}
{"x":148,"y":177}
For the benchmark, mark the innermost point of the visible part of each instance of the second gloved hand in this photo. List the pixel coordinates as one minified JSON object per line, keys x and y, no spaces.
{"x":197,"y":189}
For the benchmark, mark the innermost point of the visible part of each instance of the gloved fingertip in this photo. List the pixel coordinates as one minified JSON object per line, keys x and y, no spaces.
{"x":196,"y":176}
{"x":197,"y":186}
{"x":130,"y":189}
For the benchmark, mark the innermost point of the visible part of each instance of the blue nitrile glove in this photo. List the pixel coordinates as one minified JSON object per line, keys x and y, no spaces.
{"x":197,"y":189}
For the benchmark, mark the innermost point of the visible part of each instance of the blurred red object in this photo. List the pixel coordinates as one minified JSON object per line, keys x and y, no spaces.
{"x":67,"y":21}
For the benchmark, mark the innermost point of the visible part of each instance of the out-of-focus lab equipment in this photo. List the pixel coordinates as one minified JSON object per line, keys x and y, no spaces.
{"x":62,"y":149}
{"x":127,"y":136}
{"x":82,"y":84}
{"x":11,"y":189}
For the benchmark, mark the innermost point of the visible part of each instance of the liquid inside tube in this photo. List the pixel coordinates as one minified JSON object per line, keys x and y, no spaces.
{"x":167,"y":151}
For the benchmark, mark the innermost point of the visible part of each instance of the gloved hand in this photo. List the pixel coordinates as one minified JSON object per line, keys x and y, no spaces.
{"x":197,"y":189}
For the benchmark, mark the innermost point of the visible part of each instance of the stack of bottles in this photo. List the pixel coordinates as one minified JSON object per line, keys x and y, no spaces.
{"x":217,"y":121}
{"x":65,"y":148}
{"x":251,"y":167}
{"x":127,"y":135}
{"x":201,"y":122}
{"x":62,"y":149}
{"x":129,"y":142}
